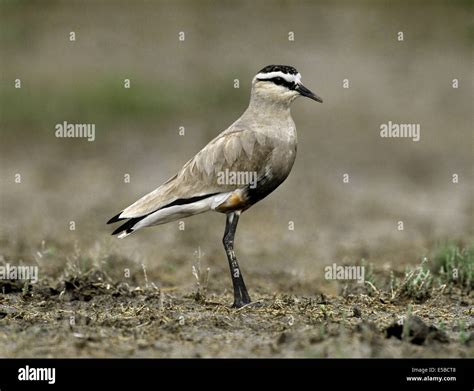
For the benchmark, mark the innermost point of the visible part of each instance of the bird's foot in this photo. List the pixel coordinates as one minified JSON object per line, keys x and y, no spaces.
{"x":240,"y":302}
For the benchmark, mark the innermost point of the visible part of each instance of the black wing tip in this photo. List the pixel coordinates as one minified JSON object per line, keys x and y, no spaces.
{"x":128,"y":226}
{"x":120,"y":230}
{"x":116,"y":218}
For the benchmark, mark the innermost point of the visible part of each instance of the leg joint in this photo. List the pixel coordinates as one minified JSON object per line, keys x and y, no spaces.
{"x":228,"y":240}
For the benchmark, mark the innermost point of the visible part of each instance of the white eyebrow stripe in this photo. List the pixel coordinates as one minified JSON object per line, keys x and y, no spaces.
{"x":288,"y":77}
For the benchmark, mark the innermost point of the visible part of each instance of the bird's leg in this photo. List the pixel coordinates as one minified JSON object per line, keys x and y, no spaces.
{"x":241,"y":296}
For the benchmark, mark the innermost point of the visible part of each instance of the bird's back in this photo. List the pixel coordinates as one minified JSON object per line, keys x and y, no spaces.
{"x":242,"y":148}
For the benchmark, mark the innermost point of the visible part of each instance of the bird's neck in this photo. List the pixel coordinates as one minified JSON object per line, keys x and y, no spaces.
{"x":263,"y":106}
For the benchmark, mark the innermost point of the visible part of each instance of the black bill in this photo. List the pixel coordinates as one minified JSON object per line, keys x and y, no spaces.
{"x":305,"y":92}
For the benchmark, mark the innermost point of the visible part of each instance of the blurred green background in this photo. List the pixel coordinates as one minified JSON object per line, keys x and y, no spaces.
{"x":191,"y":84}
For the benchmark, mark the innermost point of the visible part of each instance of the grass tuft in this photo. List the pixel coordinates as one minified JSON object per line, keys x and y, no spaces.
{"x":416,"y":285}
{"x":455,"y":265}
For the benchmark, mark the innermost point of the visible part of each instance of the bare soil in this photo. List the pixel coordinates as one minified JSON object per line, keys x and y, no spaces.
{"x":90,"y":316}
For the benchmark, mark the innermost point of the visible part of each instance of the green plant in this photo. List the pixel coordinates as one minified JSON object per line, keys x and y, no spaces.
{"x":455,"y":265}
{"x":417,"y":283}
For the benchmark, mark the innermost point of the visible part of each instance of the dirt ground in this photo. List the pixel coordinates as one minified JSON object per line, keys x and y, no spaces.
{"x":91,"y":316}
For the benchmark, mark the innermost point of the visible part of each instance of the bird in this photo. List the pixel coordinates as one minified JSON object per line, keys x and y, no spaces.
{"x":235,"y":170}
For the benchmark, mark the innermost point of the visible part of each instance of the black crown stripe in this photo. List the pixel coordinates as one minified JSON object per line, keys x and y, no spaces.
{"x":279,"y":68}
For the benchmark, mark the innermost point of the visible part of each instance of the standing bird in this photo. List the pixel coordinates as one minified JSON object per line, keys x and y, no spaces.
{"x":241,"y":166}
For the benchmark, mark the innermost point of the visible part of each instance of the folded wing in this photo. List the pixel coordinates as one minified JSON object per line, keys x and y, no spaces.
{"x":201,"y":177}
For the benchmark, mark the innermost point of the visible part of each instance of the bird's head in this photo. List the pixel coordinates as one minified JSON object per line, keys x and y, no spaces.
{"x":281,"y":84}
